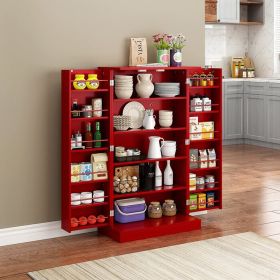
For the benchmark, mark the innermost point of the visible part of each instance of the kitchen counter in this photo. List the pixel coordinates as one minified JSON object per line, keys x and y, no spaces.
{"x":257,"y":80}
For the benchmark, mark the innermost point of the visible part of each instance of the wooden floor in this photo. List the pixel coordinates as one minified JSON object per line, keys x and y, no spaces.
{"x":251,"y":203}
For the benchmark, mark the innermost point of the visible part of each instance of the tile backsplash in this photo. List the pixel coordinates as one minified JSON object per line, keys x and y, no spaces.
{"x":223,"y":42}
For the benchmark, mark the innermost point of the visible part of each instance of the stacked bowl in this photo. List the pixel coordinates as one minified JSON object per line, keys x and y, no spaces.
{"x":123,"y":86}
{"x":165,"y":118}
{"x":167,"y":89}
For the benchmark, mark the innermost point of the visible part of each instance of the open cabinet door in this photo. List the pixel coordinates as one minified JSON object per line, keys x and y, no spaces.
{"x":228,"y":11}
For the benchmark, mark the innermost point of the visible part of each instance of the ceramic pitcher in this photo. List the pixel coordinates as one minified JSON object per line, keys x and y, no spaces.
{"x":144,"y":86}
{"x":155,"y":147}
{"x":149,"y":119}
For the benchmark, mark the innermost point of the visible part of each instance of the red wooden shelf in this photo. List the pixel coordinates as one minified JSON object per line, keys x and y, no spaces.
{"x":204,"y":112}
{"x":161,"y":129}
{"x":83,"y":206}
{"x":180,"y":105}
{"x":206,"y":209}
{"x":206,"y":190}
{"x":193,"y":170}
{"x":144,"y":193}
{"x":149,"y":160}
{"x":201,"y":87}
{"x":153,"y":98}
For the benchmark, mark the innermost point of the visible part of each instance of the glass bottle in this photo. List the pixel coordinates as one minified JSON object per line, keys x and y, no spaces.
{"x":168,"y":176}
{"x":79,"y":139}
{"x":158,"y":177}
{"x":97,"y":135}
{"x":88,"y":136}
{"x":149,"y":181}
{"x":75,"y":109}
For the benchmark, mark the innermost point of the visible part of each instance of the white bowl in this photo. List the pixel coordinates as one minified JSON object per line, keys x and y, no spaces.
{"x":165,"y":123}
{"x":166,"y":119}
{"x":165,"y":113}
{"x":123,"y":77}
{"x":169,"y":143}
{"x":168,"y":151}
{"x":124,"y":94}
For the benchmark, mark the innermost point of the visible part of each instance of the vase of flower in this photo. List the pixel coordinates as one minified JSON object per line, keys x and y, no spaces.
{"x":177,"y":44}
{"x":162,"y":43}
{"x":175,"y":57}
{"x":163,"y":57}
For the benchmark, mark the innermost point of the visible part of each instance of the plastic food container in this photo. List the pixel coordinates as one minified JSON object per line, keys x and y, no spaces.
{"x":130,"y":210}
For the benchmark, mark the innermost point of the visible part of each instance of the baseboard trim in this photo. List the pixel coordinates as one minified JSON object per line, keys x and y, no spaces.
{"x":35,"y":232}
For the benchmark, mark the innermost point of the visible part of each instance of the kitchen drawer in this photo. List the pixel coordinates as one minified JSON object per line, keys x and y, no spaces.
{"x":233,"y":87}
{"x":273,"y":89}
{"x":256,"y":87}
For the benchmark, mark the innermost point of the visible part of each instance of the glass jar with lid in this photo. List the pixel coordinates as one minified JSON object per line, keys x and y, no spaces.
{"x":169,"y":208}
{"x":154,"y":210}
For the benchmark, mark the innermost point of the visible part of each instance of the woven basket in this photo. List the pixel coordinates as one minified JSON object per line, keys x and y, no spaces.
{"x":122,"y":123}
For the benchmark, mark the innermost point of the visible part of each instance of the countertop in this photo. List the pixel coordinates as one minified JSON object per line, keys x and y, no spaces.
{"x":257,"y":80}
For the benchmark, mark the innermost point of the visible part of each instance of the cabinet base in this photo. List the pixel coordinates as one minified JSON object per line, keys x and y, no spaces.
{"x":152,"y":228}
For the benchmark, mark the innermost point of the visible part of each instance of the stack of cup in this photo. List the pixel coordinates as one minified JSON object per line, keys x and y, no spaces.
{"x":165,"y":118}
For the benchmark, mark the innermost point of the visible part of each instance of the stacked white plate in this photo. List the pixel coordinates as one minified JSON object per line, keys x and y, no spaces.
{"x":167,"y":89}
{"x":123,"y":86}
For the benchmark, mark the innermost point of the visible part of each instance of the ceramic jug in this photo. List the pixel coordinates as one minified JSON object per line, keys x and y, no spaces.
{"x":155,"y":147}
{"x":144,"y":86}
{"x":149,"y":119}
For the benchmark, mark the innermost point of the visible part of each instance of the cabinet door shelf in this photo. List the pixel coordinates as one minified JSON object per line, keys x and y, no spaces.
{"x":81,"y":91}
{"x":88,"y":226}
{"x":152,"y":98}
{"x":89,"y":182}
{"x":206,"y":190}
{"x":91,"y":150}
{"x":90,"y":119}
{"x":91,"y":205}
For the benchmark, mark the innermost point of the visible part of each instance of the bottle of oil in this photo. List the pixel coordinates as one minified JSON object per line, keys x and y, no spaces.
{"x":97,"y":135}
{"x":88,"y":136}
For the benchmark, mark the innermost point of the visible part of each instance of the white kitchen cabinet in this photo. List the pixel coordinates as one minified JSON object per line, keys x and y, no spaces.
{"x":228,"y":11}
{"x":273,"y":119}
{"x":255,"y":117}
{"x":233,"y":116}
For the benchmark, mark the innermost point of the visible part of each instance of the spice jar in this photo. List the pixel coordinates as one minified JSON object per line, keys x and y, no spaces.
{"x":210,"y":80}
{"x":154,"y":210}
{"x":169,"y":208}
{"x":203,"y":80}
{"x":195,"y":80}
{"x":87,"y":111}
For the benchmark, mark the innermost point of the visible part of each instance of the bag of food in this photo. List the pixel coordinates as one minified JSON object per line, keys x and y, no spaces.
{"x":138,"y":51}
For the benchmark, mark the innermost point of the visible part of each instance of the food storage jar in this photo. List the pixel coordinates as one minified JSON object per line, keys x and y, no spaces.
{"x":154,"y":210}
{"x":169,"y":208}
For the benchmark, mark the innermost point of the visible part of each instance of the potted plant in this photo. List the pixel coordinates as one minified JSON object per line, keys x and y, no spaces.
{"x":177,"y":44}
{"x":162,"y":43}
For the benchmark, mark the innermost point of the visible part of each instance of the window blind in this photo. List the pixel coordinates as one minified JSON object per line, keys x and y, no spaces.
{"x":277,"y":36}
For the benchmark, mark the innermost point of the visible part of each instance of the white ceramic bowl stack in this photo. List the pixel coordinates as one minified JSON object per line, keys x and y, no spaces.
{"x":123,"y":86}
{"x":168,"y":149}
{"x":167,"y":89}
{"x":165,"y":118}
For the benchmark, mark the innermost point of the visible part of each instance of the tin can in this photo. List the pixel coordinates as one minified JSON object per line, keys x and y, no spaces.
{"x":75,"y":172}
{"x":210,"y":199}
{"x":210,"y":181}
{"x":97,"y":107}
{"x":87,"y":111}
{"x":200,"y":183}
{"x":86,"y":171}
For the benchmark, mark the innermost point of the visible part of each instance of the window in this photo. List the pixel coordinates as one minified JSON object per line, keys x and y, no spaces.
{"x":277,"y":36}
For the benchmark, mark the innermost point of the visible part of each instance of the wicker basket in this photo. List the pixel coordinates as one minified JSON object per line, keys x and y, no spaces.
{"x":122,"y":122}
